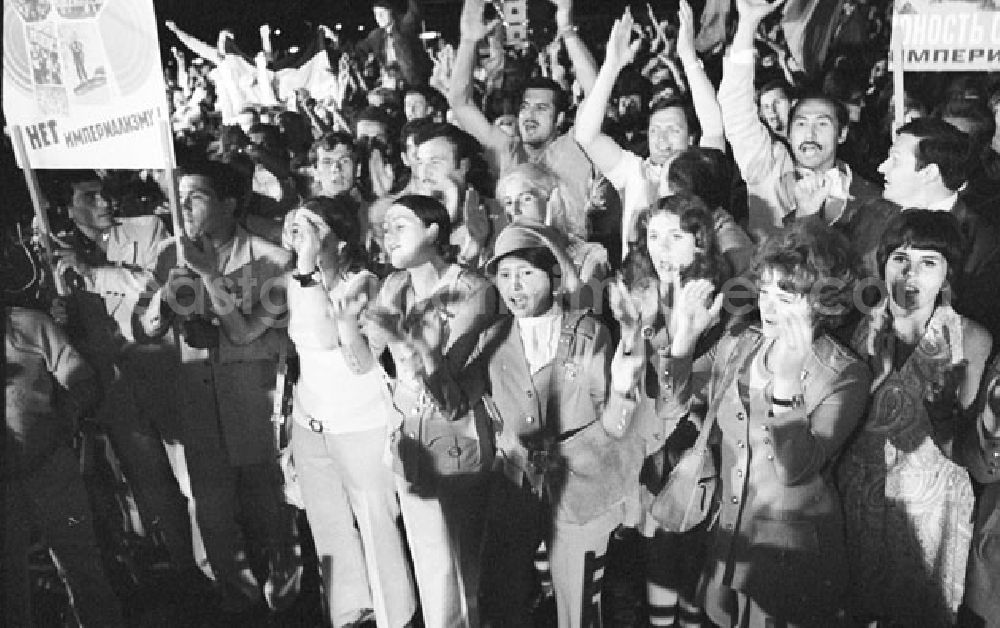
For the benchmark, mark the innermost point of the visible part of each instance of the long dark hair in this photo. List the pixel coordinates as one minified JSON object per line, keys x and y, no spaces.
{"x":696,"y":219}
{"x":340,"y":213}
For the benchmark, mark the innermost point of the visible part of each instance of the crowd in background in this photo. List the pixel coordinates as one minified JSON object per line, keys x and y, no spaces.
{"x":447,"y":325}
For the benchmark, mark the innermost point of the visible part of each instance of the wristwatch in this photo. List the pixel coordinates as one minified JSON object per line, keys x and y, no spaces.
{"x":797,"y":401}
{"x":306,"y":279}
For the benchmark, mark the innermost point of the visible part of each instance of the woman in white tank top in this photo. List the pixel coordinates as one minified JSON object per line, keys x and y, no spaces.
{"x":339,"y":416}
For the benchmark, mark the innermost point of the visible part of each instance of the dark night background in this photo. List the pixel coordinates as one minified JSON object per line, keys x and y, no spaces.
{"x":205,"y":18}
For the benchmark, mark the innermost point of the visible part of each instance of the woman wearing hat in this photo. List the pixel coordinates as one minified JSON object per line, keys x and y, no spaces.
{"x":542,"y":373}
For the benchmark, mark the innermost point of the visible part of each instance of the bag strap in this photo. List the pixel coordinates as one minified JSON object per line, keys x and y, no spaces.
{"x":278,"y":408}
{"x":713,"y":407}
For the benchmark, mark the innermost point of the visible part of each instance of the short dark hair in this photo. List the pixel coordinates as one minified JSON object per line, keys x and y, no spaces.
{"x":413,"y":128}
{"x":842,"y":114}
{"x":943,"y":145}
{"x":541,"y":257}
{"x":772,"y":85}
{"x":694,"y":126}
{"x":331,"y":141}
{"x":430,"y":211}
{"x":924,"y":229}
{"x":431,"y":95}
{"x":983,"y":124}
{"x":227,"y":181}
{"x":373,"y":114}
{"x":60,"y":192}
{"x":813,"y":260}
{"x":702,"y":172}
{"x":559,"y":98}
{"x":466,"y":146}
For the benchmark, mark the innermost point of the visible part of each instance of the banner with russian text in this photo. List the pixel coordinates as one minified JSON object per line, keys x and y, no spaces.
{"x":946,"y":35}
{"x":83,"y":80}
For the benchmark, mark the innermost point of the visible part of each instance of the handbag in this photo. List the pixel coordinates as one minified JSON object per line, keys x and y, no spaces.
{"x":689,"y":493}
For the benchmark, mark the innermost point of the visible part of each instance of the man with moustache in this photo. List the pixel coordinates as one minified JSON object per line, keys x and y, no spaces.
{"x":229,"y":307}
{"x":804,"y":177}
{"x":541,"y":114}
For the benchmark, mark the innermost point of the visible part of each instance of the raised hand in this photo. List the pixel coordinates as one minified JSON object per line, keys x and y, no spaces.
{"x":693,"y":312}
{"x":626,"y":312}
{"x":810,"y":192}
{"x":790,"y":350}
{"x":621,"y":49}
{"x":200,"y":256}
{"x":685,"y":32}
{"x":307,"y":232}
{"x":626,"y":368}
{"x":381,"y":173}
{"x":472,"y":24}
{"x":756,"y":10}
{"x":349,"y":297}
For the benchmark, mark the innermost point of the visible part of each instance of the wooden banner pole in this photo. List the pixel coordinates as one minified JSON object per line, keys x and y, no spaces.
{"x":167,"y":139}
{"x":898,"y":90}
{"x":35,"y":191}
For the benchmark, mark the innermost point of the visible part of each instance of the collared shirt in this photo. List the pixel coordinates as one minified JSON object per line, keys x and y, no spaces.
{"x":944,"y":205}
{"x":540,"y":337}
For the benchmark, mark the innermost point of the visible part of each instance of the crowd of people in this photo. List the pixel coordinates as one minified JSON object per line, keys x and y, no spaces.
{"x":479,"y":312}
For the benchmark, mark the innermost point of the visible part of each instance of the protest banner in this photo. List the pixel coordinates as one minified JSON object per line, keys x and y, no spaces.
{"x":82,"y":80}
{"x":946,"y":35}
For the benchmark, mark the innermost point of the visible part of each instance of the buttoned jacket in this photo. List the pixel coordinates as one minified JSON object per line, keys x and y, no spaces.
{"x":588,"y":471}
{"x":778,"y":534}
{"x":427,"y":442}
{"x":229,"y":388}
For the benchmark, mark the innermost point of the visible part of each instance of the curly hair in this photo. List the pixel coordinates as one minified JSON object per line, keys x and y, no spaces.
{"x":696,"y":219}
{"x":813,"y":260}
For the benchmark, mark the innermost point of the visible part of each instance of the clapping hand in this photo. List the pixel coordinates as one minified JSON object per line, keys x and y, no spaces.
{"x":790,"y":350}
{"x":694,"y":311}
{"x":810,"y":192}
{"x":200,"y":255}
{"x":307,"y":232}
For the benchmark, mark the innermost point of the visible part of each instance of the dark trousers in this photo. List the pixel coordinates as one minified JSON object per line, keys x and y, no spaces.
{"x":54,"y":498}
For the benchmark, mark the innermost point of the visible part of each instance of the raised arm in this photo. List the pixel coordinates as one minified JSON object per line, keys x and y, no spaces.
{"x":601,"y":149}
{"x":195,"y":45}
{"x":583,"y":62}
{"x":755,"y":152}
{"x":706,"y":106}
{"x":468,"y":116}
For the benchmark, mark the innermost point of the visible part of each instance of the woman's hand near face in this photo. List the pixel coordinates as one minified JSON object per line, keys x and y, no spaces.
{"x":308,"y":231}
{"x":790,"y":350}
{"x":693,"y":312}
